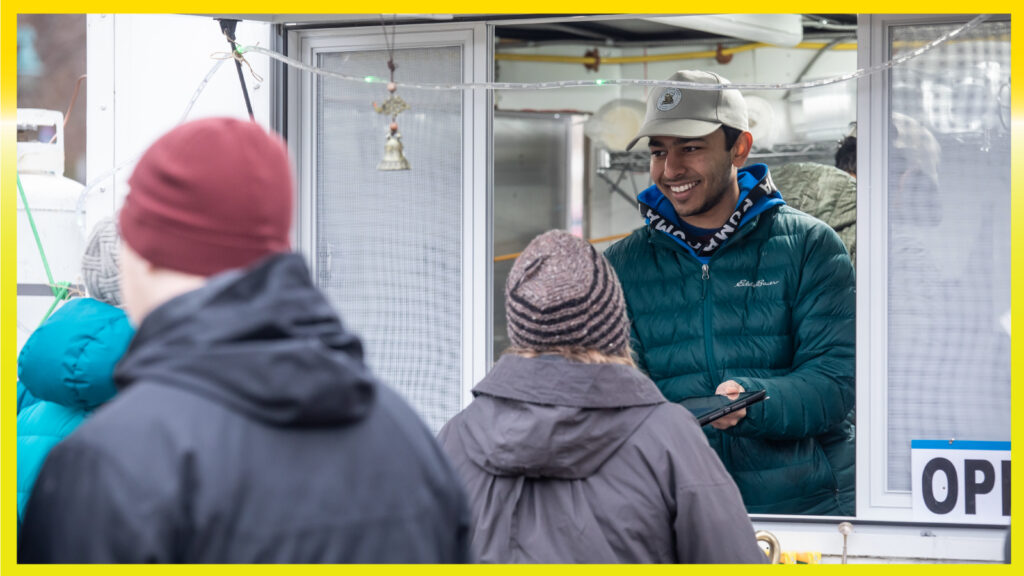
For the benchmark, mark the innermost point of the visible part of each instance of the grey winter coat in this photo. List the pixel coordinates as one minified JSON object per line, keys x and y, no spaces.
{"x":569,"y":462}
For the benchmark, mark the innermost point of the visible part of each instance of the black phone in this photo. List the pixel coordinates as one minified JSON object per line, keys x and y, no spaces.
{"x":709,"y":408}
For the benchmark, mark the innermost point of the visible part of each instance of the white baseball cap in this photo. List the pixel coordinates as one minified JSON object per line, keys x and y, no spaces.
{"x":689,"y":113}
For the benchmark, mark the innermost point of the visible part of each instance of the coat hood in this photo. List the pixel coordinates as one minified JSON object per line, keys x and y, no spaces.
{"x":70,"y":358}
{"x":262,"y":341}
{"x":551,"y":417}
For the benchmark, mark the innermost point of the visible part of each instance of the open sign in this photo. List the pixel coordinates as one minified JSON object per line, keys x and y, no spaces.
{"x":958,"y":481}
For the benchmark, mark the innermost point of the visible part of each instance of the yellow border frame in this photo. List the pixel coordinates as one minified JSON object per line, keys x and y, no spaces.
{"x":8,"y":211}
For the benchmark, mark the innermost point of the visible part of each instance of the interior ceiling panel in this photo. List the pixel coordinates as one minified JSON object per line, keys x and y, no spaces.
{"x":608,"y":29}
{"x":640,"y":31}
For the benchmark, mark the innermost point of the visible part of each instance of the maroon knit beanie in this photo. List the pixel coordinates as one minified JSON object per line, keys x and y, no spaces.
{"x":562,"y":292}
{"x":208,"y":196}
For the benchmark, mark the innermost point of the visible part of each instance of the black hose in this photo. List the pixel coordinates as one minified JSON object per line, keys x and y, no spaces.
{"x":227,"y":26}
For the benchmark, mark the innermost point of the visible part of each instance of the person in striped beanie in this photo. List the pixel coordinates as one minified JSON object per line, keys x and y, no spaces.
{"x":568,"y":452}
{"x":562,"y":296}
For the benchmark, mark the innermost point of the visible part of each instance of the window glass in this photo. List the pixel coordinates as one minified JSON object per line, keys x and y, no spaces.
{"x":389,"y":243}
{"x":948,"y":357}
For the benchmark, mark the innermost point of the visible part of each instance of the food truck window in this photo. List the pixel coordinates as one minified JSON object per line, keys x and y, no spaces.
{"x":943,"y":372}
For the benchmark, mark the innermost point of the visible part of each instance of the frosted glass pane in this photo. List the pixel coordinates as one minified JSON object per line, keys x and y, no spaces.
{"x":949,"y":242}
{"x":389,"y":244}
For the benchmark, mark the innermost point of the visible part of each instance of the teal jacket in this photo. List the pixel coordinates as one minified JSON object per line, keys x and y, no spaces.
{"x":772,"y":309}
{"x":65,"y":370}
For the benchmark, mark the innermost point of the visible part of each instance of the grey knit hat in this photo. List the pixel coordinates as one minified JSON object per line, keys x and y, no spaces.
{"x":562,"y":292}
{"x":101,"y":269}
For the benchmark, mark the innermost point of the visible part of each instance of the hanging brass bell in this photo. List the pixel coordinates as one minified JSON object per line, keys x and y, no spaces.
{"x":393,"y":157}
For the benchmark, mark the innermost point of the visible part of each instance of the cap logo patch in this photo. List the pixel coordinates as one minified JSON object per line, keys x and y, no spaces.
{"x":669,"y":99}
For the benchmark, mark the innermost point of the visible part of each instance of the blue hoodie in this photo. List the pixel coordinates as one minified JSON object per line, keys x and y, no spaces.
{"x":65,"y":370}
{"x":747,"y":178}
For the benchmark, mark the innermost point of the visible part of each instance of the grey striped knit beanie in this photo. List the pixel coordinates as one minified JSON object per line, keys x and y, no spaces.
{"x":101,"y":270}
{"x":562,"y":292}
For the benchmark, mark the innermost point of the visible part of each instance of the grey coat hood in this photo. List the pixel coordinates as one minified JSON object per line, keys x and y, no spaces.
{"x":566,"y":428}
{"x":570,"y":462}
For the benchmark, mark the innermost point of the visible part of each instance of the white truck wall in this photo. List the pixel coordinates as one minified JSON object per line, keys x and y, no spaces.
{"x":143,"y":72}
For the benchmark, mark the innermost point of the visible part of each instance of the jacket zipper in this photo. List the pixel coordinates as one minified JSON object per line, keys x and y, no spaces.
{"x":705,"y":275}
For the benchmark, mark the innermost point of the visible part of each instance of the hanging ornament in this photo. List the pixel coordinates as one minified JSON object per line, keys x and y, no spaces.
{"x":394,"y":159}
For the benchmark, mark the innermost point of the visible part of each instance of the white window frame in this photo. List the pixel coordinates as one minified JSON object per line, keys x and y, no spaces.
{"x":875,"y":501}
{"x":475,"y":41}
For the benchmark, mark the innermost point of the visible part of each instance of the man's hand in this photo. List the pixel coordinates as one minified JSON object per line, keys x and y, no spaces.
{"x":731,"y":389}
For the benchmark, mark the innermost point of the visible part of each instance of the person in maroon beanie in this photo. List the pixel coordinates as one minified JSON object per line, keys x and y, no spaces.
{"x":248,"y":428}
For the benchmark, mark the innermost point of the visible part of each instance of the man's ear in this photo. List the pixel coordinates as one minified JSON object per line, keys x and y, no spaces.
{"x":741,"y":149}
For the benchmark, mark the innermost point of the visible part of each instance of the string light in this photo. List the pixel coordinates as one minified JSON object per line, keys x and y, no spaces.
{"x":975,"y":22}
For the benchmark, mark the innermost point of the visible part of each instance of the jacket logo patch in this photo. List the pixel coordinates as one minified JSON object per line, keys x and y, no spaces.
{"x":758,"y":284}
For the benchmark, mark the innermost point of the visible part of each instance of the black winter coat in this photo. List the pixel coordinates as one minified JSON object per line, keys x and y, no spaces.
{"x":248,"y":429}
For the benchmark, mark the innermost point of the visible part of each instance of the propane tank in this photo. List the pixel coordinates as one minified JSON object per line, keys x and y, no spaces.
{"x":52,"y":200}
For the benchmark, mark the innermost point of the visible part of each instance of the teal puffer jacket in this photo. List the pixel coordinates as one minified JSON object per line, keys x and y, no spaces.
{"x":772,"y":309}
{"x":65,"y":370}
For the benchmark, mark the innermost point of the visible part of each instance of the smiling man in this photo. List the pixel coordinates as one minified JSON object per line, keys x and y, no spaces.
{"x":728,"y":289}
